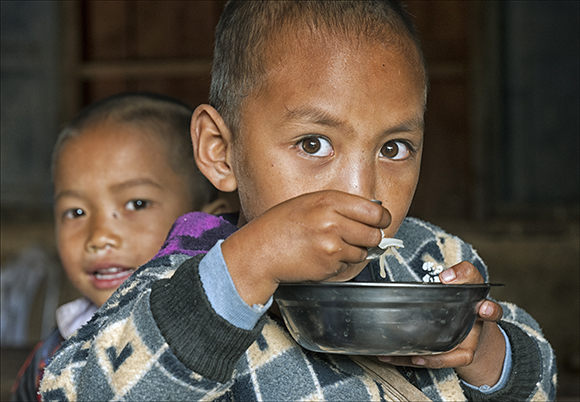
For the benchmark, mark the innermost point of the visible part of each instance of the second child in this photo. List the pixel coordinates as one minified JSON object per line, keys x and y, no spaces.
{"x":123,"y":173}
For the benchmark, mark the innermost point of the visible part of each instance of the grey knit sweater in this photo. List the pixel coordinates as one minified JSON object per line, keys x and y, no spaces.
{"x":158,"y":338}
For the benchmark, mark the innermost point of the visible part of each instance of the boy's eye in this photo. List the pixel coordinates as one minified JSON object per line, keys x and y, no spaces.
{"x":73,"y":213}
{"x":395,"y":150}
{"x":316,"y":146}
{"x":136,"y":205}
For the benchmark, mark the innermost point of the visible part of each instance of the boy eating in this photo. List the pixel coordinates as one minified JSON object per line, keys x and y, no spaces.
{"x":316,"y":109}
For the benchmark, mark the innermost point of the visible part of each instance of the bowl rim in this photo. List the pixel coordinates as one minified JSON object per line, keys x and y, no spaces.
{"x":423,"y":285}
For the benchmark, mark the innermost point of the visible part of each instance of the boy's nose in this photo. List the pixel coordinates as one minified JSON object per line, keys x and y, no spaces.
{"x":103,"y":233}
{"x":358,"y":178}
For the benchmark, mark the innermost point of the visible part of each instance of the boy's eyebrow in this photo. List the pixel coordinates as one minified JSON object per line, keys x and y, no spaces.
{"x":412,"y":124}
{"x":134,"y":183}
{"x":313,"y":115}
{"x":318,"y":116}
{"x":67,"y":193}
{"x":116,"y":187}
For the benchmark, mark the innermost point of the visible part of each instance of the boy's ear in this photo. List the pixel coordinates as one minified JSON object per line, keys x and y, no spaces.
{"x":212,"y":141}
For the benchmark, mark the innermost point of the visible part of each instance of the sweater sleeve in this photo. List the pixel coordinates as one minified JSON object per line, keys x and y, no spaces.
{"x":533,"y":372}
{"x":201,"y":339}
{"x":156,"y":338}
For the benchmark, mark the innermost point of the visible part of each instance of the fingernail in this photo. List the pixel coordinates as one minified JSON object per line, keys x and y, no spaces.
{"x":486,"y":309}
{"x":385,"y":359}
{"x":448,"y":275}
{"x":418,"y":361}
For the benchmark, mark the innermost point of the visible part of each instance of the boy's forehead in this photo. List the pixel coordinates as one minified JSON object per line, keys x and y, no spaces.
{"x":324,"y":41}
{"x":321,"y":56}
{"x":333,"y":82}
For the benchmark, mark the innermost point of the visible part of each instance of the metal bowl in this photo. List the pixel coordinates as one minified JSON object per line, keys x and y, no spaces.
{"x":379,"y":318}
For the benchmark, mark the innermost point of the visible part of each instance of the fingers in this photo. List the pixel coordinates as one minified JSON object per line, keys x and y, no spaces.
{"x":362,"y":210}
{"x":361,"y":235}
{"x":461,"y":356}
{"x":464,"y":272}
{"x":490,"y":311}
{"x":358,"y":223}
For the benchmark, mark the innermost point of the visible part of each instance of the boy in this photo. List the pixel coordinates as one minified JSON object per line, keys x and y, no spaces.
{"x":116,"y":197}
{"x":317,"y":108}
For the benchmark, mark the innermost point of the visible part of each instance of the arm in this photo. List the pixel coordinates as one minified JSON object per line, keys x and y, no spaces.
{"x":320,"y":236}
{"x":533,"y":372}
{"x":203,"y":341}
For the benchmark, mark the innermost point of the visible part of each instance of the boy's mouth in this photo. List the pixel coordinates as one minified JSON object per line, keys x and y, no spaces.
{"x":111,"y":277}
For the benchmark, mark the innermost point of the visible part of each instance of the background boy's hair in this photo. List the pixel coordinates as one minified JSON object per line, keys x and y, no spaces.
{"x":246,"y":28}
{"x":167,"y":118}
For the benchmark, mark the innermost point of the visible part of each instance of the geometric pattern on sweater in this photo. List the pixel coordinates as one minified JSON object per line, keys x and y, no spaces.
{"x":311,"y":377}
{"x":122,"y":355}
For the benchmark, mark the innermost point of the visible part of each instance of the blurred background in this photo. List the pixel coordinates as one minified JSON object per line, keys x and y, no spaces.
{"x":500,"y":167}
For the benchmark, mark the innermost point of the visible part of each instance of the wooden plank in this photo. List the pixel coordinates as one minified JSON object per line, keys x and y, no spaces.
{"x":443,"y":28}
{"x":172,"y":29}
{"x":191,"y":90}
{"x":105,"y":30}
{"x":132,"y":69}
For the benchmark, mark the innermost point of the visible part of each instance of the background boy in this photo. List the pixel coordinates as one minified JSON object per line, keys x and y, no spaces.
{"x":123,"y":172}
{"x":317,"y":107}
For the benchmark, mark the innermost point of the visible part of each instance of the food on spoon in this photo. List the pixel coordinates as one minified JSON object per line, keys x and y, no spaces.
{"x":385,"y":243}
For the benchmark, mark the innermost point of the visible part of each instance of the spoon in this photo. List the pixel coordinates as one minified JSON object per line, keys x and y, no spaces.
{"x":377,"y":251}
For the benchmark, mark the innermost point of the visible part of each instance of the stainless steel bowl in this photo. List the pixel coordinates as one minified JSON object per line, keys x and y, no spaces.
{"x":379,"y":318}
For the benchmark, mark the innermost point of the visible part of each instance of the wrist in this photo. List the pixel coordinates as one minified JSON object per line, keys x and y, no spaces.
{"x":251,"y":280}
{"x":487,"y":364}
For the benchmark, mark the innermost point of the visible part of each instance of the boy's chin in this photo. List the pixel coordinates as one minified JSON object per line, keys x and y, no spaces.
{"x":100,"y":298}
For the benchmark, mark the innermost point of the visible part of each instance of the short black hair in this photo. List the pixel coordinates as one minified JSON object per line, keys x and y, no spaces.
{"x":166,"y":117}
{"x":246,"y":27}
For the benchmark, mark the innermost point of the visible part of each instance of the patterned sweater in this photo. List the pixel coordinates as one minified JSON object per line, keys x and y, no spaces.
{"x":157,"y":338}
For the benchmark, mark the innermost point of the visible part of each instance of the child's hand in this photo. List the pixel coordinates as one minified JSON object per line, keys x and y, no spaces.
{"x":314,"y":237}
{"x":478,"y":360}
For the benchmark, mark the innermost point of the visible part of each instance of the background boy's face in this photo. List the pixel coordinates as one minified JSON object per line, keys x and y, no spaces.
{"x":334,"y":114}
{"x":116,"y":198}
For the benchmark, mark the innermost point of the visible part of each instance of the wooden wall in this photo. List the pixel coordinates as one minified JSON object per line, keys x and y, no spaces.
{"x":445,"y":184}
{"x":161,"y":46}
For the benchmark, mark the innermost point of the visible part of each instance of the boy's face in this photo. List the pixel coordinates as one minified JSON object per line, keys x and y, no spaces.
{"x":116,"y":197}
{"x":333,"y":115}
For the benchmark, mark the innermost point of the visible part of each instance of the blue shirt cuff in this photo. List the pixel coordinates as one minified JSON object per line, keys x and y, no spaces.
{"x":505,"y":373}
{"x":222,"y":293}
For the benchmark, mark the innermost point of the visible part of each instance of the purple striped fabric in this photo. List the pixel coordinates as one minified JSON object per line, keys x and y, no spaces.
{"x":195,"y":233}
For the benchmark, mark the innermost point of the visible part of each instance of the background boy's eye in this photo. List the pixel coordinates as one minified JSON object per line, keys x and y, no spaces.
{"x":316,"y":146}
{"x":135,"y":205}
{"x":395,"y":150}
{"x":73,"y":213}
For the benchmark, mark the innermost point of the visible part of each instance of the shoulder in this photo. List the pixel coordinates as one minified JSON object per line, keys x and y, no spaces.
{"x":195,"y":233}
